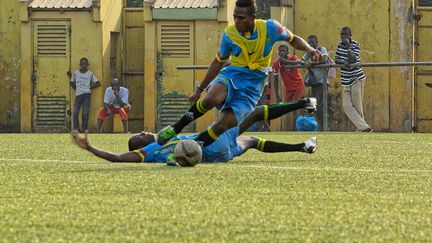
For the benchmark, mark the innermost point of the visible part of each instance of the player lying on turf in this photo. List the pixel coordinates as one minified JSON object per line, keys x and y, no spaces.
{"x":144,"y":148}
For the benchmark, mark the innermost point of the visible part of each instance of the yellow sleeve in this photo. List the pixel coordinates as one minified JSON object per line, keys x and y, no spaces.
{"x":219,"y":59}
{"x":291,"y":36}
{"x":140,"y":153}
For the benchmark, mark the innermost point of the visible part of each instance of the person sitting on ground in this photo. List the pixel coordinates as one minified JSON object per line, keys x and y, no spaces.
{"x":144,"y":148}
{"x":115,"y":102}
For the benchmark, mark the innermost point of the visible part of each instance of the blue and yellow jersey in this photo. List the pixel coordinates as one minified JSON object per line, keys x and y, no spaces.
{"x":156,"y":153}
{"x":250,"y":54}
{"x":252,"y":51}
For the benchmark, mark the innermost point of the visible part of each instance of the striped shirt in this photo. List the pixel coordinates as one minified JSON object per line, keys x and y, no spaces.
{"x":349,"y":75}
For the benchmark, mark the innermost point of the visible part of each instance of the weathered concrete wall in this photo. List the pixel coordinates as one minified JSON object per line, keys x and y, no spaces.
{"x":10,"y":63}
{"x":90,"y":37}
{"x":206,"y":47}
{"x":382,"y":29}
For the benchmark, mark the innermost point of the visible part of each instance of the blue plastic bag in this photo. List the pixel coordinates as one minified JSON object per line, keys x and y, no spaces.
{"x":306,"y":123}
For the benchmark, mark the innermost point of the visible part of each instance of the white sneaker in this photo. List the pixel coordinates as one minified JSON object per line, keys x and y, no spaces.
{"x":311,"y":104}
{"x":310,"y":145}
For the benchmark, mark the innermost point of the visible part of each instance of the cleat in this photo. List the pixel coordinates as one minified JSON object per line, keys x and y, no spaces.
{"x":310,"y":145}
{"x":165,"y":135}
{"x":171,"y":163}
{"x":171,"y":160}
{"x":311,"y":104}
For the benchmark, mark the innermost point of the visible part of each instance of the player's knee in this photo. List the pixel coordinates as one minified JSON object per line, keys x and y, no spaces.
{"x":221,"y":127}
{"x":209,"y":102}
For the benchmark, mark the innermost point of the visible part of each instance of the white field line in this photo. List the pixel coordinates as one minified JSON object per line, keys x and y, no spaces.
{"x":267,"y":167}
{"x":44,"y":160}
{"x":333,"y":169}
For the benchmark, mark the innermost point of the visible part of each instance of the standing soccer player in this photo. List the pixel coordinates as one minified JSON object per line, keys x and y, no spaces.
{"x":236,"y":89}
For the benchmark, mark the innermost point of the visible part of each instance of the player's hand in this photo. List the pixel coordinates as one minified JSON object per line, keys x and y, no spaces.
{"x":82,"y":142}
{"x":194,"y":97}
{"x":315,"y":55}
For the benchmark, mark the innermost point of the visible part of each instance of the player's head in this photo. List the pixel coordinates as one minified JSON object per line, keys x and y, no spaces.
{"x":244,"y":15}
{"x":115,"y":84}
{"x":313,"y":41}
{"x":84,"y":63}
{"x":283,"y":51}
{"x":140,"y":140}
{"x":345,"y":33}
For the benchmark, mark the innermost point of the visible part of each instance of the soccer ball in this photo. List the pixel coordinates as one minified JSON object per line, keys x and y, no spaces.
{"x":188,"y":153}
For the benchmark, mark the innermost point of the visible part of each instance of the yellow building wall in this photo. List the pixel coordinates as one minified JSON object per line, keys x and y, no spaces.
{"x":401,"y":79}
{"x":381,"y":35}
{"x":88,"y":39}
{"x":133,"y":64}
{"x":205,"y":49}
{"x":10,"y":63}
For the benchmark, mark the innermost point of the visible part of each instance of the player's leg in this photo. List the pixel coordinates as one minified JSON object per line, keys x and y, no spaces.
{"x":215,"y":96}
{"x":269,"y":112}
{"x":246,"y":142}
{"x":225,"y":121}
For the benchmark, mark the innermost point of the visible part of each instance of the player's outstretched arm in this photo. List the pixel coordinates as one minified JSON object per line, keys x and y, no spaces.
{"x":211,"y":74}
{"x":83,"y":143}
{"x":300,"y":44}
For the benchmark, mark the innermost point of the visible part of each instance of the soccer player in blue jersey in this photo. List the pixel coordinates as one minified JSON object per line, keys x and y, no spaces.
{"x":144,"y":148}
{"x":235,"y":89}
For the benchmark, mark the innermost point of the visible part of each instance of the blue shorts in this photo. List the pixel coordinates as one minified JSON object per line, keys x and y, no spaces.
{"x":243,"y":91}
{"x":224,"y":149}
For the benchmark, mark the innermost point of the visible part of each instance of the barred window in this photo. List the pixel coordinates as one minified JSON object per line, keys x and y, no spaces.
{"x":425,"y":3}
{"x":134,"y":3}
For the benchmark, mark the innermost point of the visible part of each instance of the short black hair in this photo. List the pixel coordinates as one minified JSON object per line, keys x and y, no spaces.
{"x":84,"y":59}
{"x":134,"y":143}
{"x":283,"y":46}
{"x":250,"y":4}
{"x":346,"y":28}
{"x":313,"y":37}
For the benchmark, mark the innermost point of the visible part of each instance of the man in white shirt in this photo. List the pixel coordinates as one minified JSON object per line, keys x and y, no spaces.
{"x":115,"y":101}
{"x":83,"y":81}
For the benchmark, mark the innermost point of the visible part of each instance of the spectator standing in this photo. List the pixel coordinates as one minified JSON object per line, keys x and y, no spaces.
{"x":116,"y":101}
{"x":292,"y":80}
{"x":83,"y":81}
{"x":317,"y":79}
{"x":353,"y":79}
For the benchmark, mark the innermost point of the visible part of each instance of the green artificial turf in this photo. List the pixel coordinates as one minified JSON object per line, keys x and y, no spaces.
{"x":356,"y":187}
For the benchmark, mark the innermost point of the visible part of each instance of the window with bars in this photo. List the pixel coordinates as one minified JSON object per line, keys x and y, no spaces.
{"x":134,"y":3}
{"x":175,"y":40}
{"x":425,"y":3}
{"x":52,"y":40}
